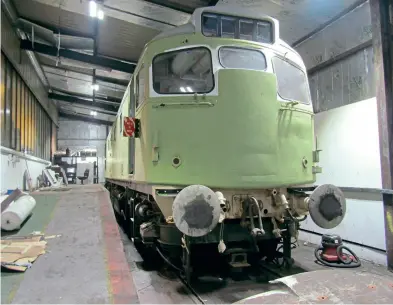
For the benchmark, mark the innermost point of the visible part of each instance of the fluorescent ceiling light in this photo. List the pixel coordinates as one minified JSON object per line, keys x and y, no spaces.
{"x":189,"y":89}
{"x":100,"y":15}
{"x":93,"y":8}
{"x":95,"y":87}
{"x":94,"y":113}
{"x":182,"y":89}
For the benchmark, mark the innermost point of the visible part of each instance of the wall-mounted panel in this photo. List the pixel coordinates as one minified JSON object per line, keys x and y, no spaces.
{"x":348,"y":137}
{"x":12,"y":175}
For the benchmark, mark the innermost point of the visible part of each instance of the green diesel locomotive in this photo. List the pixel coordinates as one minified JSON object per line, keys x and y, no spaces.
{"x":222,"y":158}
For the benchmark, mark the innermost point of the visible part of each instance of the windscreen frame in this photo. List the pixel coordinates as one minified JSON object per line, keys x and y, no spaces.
{"x":178,"y":51}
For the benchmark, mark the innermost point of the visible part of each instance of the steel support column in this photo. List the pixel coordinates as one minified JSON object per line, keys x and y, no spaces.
{"x":383,"y":60}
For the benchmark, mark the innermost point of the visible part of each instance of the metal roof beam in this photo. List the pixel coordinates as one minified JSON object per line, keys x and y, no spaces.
{"x":77,"y":100}
{"x":84,"y":118}
{"x":176,"y":7}
{"x":213,"y":2}
{"x":114,"y":9}
{"x":112,"y":80}
{"x":329,"y":22}
{"x":107,"y":79}
{"x":90,"y":108}
{"x":57,"y":29}
{"x":90,"y":59}
{"x":114,"y":100}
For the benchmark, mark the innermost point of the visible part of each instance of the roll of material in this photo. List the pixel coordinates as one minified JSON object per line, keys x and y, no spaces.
{"x":17,"y":212}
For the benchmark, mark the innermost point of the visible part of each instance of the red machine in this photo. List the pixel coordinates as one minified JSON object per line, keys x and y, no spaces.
{"x":331,"y":253}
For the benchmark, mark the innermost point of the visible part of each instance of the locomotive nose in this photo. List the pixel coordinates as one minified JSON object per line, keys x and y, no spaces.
{"x":196,"y":210}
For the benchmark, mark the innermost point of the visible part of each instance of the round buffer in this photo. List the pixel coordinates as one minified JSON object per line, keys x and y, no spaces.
{"x":327,"y":206}
{"x":196,"y":210}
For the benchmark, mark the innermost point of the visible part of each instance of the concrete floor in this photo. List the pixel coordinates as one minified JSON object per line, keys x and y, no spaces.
{"x":94,"y":262}
{"x":86,"y":264}
{"x":156,"y":287}
{"x":305,"y":259}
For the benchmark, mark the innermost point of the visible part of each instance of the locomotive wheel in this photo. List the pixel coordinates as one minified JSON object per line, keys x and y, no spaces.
{"x":131,"y":214}
{"x":130,"y":228}
{"x":186,"y":259}
{"x":123,"y":219}
{"x":126,"y":220}
{"x":288,"y":262}
{"x":187,"y":266}
{"x":117,"y":216}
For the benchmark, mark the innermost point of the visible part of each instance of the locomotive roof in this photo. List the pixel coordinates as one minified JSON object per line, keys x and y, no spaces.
{"x":194,"y":26}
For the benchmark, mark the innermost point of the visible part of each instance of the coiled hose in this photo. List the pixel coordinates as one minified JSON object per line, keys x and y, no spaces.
{"x":348,"y":263}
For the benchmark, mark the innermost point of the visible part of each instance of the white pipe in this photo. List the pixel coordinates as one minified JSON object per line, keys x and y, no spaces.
{"x":5,"y":150}
{"x":284,"y":200}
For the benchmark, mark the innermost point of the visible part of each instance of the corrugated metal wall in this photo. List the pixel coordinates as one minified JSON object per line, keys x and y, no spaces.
{"x":19,"y":58}
{"x":78,"y":135}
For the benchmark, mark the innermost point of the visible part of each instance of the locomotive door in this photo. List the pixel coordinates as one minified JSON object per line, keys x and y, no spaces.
{"x":131,"y":159}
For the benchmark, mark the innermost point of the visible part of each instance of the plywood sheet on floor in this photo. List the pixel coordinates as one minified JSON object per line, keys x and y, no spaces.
{"x":38,"y":221}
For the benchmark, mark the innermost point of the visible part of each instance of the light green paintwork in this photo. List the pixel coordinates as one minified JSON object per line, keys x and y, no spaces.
{"x":117,"y":148}
{"x":245,"y":140}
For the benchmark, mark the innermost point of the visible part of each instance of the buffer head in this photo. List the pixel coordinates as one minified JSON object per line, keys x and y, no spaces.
{"x":196,"y":210}
{"x":327,"y":206}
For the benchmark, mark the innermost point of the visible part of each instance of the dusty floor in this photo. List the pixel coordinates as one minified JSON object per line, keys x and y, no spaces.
{"x":92,"y":261}
{"x":155,"y":286}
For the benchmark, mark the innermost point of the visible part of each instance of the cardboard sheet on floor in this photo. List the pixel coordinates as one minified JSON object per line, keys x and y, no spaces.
{"x":19,"y":252}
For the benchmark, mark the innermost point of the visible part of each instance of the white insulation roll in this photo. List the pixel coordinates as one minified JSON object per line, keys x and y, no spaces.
{"x":3,"y":197}
{"x":17,"y":212}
